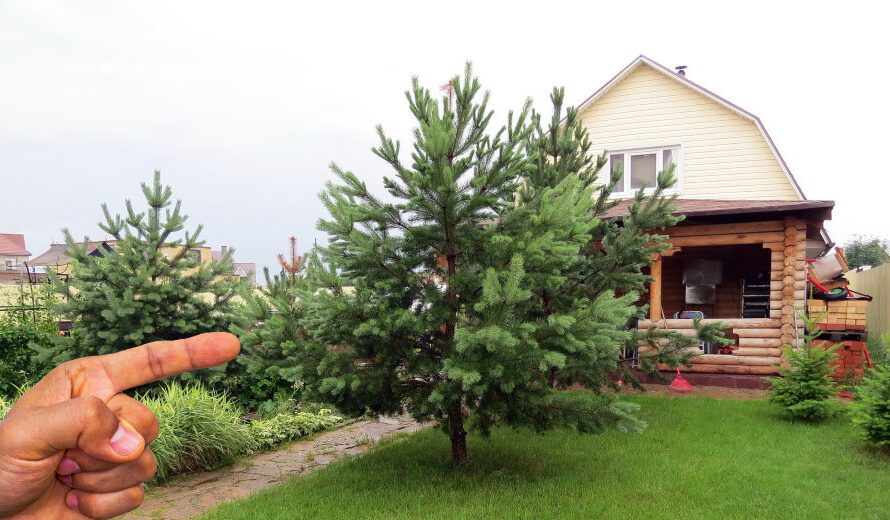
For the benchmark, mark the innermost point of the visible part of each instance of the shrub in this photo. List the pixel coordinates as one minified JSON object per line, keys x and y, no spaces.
{"x":26,"y":323}
{"x":805,"y":389}
{"x":268,"y":433}
{"x":199,"y":429}
{"x":872,"y":412}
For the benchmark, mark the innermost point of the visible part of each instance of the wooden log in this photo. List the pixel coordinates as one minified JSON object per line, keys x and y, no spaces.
{"x":757,"y":351}
{"x":790,"y":250}
{"x":761,"y":342}
{"x":728,"y":239}
{"x":727,"y":369}
{"x":773,"y":305}
{"x":774,"y":246}
{"x":777,"y":265}
{"x":716,"y":359}
{"x":775,"y":315}
{"x":655,"y":291}
{"x":776,"y":285}
{"x":723,"y":229}
{"x":758,"y":333}
{"x":735,"y":323}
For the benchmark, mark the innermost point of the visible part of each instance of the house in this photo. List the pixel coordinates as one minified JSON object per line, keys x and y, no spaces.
{"x":739,"y":255}
{"x":57,"y":260}
{"x":245,"y":271}
{"x":13,"y":255}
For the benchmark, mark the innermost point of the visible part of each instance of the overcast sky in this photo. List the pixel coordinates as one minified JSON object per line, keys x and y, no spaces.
{"x":242,"y":105}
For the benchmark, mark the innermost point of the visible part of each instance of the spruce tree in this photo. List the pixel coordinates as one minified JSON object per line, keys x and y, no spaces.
{"x":150,"y":287}
{"x":484,"y":272}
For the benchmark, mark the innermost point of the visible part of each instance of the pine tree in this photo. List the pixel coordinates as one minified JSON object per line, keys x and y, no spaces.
{"x":485,"y":271}
{"x":612,"y":261}
{"x":273,"y":336}
{"x":152,"y":286}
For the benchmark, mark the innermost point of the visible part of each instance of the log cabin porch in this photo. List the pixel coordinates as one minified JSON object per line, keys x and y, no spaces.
{"x":742,"y":263}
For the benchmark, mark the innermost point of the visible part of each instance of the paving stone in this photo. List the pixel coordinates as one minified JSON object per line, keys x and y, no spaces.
{"x":196,"y":493}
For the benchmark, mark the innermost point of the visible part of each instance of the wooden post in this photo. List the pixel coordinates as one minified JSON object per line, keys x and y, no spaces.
{"x":655,"y":290}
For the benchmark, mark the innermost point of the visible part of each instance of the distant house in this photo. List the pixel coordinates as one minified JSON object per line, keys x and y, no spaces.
{"x":13,"y":255}
{"x":245,"y":271}
{"x":739,"y":255}
{"x":56,"y":258}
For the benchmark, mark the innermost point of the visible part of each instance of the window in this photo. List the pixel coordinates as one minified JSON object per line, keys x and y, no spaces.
{"x":9,"y":265}
{"x":195,"y":256}
{"x":640,"y":168}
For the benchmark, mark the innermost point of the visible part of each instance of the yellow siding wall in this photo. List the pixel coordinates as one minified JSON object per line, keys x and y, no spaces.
{"x":724,"y":156}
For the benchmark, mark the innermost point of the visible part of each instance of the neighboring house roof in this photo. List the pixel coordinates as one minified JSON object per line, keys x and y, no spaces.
{"x":245,"y":268}
{"x":56,"y":254}
{"x":713,"y":207}
{"x":643,"y":60}
{"x":13,"y":244}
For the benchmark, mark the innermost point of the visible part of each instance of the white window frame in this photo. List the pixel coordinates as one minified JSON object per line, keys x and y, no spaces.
{"x":626,"y":191}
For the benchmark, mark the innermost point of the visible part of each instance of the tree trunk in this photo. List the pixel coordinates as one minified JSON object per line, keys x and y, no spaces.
{"x":458,"y":434}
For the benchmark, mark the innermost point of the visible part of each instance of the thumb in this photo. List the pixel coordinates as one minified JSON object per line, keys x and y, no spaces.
{"x":85,"y":423}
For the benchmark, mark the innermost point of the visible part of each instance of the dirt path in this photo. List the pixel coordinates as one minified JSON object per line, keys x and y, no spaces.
{"x":197,"y":492}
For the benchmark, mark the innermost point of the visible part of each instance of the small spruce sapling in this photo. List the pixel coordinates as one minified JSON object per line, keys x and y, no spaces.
{"x":871,"y":413}
{"x":805,"y":389}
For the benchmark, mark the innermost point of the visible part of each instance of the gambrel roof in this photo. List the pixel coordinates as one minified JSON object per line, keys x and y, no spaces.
{"x":644,"y":61}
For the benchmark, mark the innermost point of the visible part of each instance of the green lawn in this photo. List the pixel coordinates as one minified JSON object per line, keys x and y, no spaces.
{"x":700,"y":458}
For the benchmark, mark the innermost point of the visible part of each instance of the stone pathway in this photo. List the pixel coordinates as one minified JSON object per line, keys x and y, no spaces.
{"x":197,"y":492}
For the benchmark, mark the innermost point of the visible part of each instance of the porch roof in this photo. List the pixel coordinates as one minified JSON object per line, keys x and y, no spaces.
{"x":715,"y":207}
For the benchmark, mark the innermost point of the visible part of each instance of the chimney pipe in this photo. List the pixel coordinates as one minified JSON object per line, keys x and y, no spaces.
{"x":681,"y":70}
{"x":225,"y":249}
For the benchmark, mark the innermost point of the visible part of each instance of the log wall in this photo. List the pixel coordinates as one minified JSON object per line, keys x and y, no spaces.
{"x":760,"y":341}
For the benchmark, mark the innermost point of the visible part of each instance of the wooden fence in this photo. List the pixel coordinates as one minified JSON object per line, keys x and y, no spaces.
{"x":874,"y":282}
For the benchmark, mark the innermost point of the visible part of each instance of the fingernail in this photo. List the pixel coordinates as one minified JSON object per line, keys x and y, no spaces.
{"x":71,"y":501}
{"x":68,"y":467}
{"x":67,"y":480}
{"x":124,"y":441}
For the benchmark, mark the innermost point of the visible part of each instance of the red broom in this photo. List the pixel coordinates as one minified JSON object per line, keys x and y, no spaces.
{"x":680,"y":384}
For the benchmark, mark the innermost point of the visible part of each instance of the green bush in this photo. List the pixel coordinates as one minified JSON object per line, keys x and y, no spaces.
{"x":805,"y":389}
{"x":26,"y":323}
{"x":199,"y":429}
{"x":268,"y":433}
{"x":872,"y":411}
{"x":203,"y":429}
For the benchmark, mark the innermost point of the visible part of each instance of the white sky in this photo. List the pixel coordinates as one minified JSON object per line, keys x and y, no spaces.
{"x":242,"y":105}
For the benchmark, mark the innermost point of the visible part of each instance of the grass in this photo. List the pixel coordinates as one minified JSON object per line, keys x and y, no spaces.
{"x":700,"y":458}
